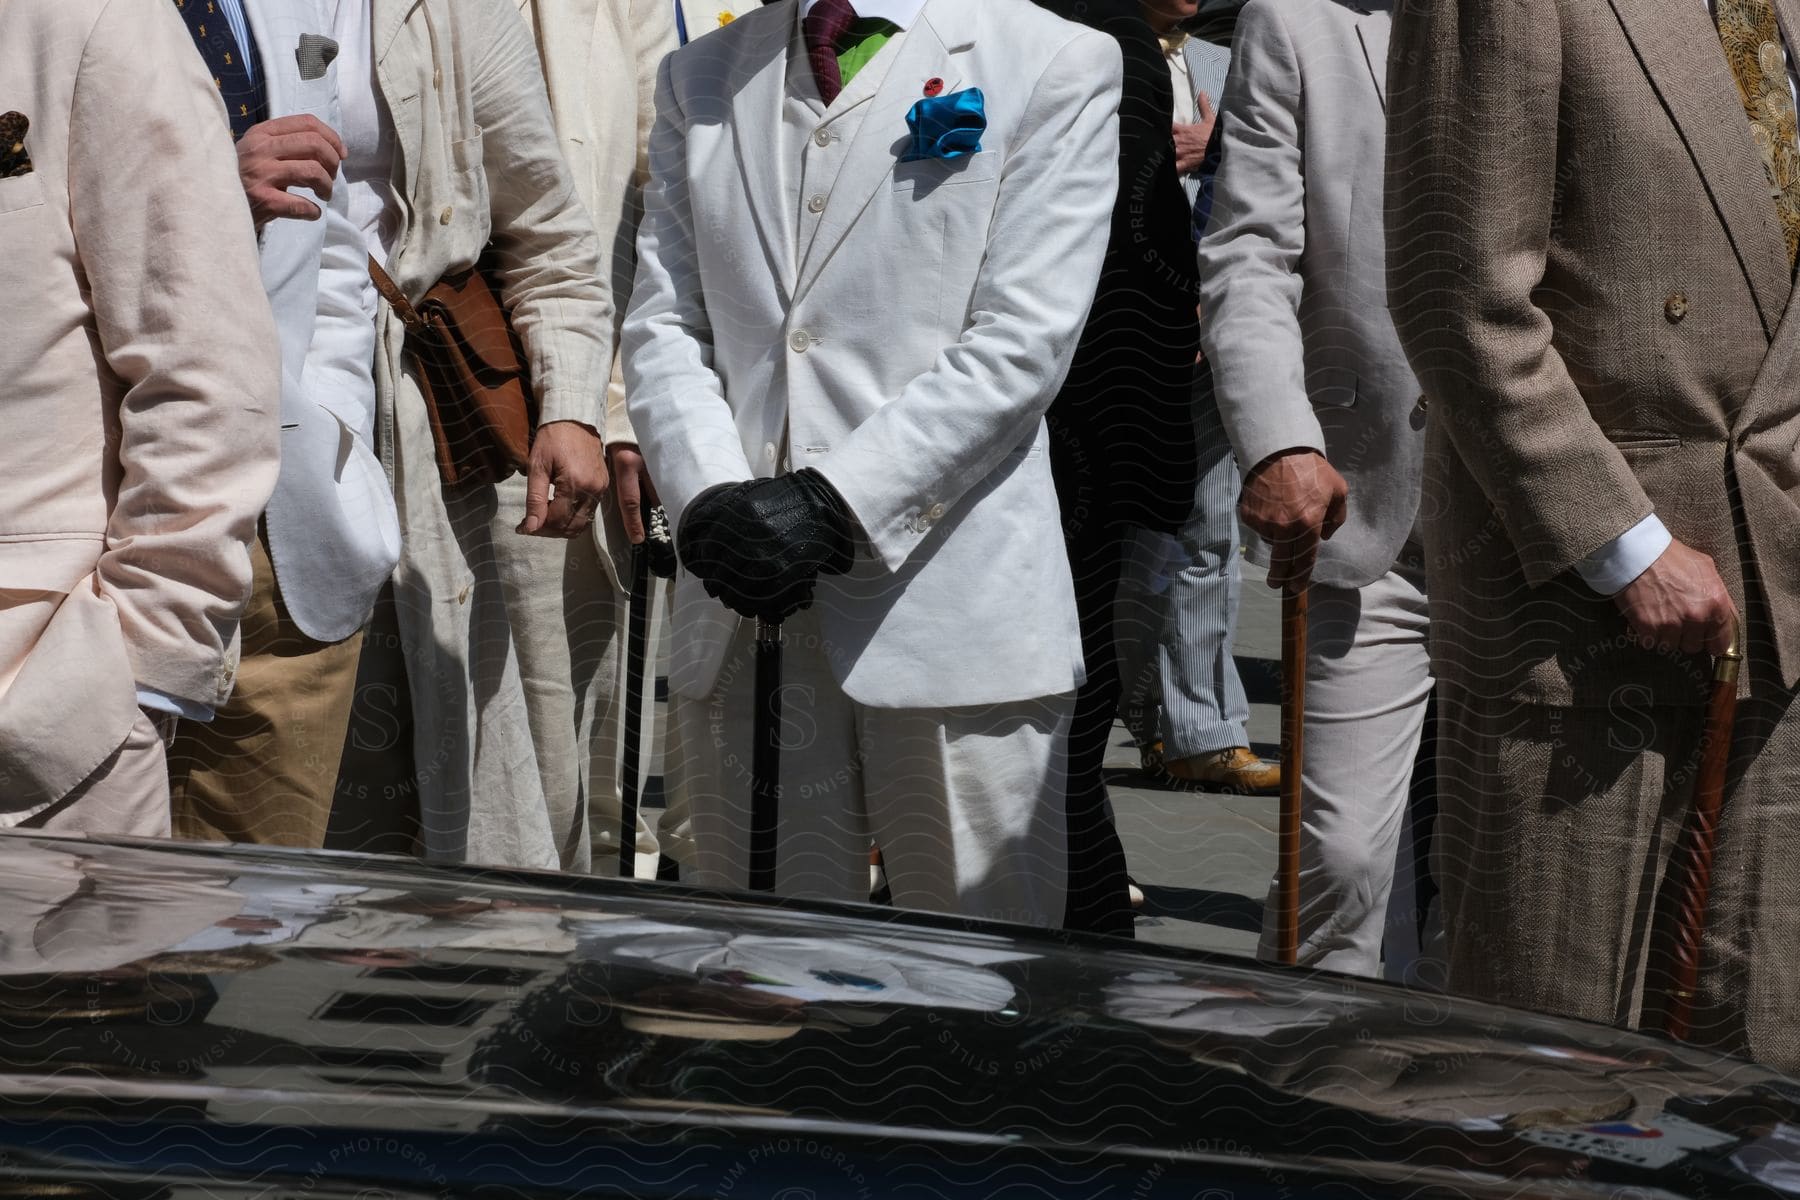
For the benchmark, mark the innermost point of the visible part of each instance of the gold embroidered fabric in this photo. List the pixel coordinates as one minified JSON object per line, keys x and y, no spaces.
{"x":1752,"y":39}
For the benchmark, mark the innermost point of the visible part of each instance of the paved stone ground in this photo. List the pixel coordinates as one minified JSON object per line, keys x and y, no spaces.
{"x":1203,"y":859}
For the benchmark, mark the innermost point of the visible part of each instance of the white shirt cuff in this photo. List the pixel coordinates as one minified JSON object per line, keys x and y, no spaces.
{"x":175,"y":706}
{"x":1608,"y":569}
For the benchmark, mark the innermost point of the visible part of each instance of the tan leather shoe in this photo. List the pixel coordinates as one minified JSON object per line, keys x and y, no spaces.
{"x":1233,"y":769}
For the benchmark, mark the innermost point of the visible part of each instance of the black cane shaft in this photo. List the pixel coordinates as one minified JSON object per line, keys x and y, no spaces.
{"x":765,"y":760}
{"x":637,"y":653}
{"x":1293,"y":755}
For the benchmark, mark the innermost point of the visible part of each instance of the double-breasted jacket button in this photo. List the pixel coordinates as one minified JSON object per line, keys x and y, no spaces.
{"x":935,"y":513}
{"x":1675,"y":307}
{"x":822,"y":137}
{"x":445,"y":216}
{"x":816,"y":204}
{"x":800,"y":341}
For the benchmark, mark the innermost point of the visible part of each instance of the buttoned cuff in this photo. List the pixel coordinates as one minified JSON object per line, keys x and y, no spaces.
{"x":174,"y":706}
{"x":1615,"y":565}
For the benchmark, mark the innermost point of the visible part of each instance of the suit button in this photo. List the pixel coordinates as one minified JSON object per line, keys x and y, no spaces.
{"x":935,"y":513}
{"x":444,"y":217}
{"x":769,"y":451}
{"x":816,"y":204}
{"x":822,"y":137}
{"x":1675,"y":307}
{"x":801,"y":341}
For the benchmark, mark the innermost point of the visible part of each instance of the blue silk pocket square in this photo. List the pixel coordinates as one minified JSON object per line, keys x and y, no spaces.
{"x":947,"y":127}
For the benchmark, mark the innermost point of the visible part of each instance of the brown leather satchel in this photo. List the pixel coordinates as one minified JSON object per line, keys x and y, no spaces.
{"x":472,"y":371}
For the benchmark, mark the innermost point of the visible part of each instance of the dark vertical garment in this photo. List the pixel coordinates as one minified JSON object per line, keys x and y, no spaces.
{"x":1122,"y":429}
{"x":246,"y":103}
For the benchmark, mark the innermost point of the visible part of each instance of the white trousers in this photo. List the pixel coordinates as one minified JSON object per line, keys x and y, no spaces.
{"x":966,"y":804}
{"x":1368,"y":682}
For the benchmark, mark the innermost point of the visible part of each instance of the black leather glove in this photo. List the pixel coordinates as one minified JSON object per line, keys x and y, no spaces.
{"x":761,"y":545}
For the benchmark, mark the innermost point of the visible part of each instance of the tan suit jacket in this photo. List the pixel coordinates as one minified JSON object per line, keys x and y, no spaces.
{"x":139,"y":386}
{"x":1588,"y":275}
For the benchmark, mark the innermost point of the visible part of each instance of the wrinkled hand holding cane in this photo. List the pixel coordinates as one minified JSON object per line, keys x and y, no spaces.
{"x":1294,"y":500}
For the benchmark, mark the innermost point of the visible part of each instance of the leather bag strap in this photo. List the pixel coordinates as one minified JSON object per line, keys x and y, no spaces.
{"x":390,"y":291}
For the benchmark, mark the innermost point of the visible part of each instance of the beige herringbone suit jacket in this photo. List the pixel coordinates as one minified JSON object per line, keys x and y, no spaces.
{"x":139,"y":386}
{"x":1588,"y":275}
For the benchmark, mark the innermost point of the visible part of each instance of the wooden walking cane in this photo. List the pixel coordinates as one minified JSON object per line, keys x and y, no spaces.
{"x":1293,"y":754}
{"x":765,"y":757}
{"x":1681,"y":908}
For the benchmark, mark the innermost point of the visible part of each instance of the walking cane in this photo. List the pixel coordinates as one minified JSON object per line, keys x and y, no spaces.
{"x":1681,"y":913}
{"x":1293,"y":754}
{"x":654,"y":556}
{"x":765,"y":757}
{"x":636,"y":651}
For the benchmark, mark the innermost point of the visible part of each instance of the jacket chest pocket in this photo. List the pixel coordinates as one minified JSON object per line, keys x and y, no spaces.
{"x":927,"y":176}
{"x":468,"y":181}
{"x":19,"y":193}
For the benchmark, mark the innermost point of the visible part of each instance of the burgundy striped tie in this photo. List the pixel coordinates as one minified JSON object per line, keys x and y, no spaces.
{"x":828,"y":21}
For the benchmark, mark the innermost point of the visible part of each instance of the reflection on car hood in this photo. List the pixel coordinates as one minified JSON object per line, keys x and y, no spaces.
{"x":236,"y":1020}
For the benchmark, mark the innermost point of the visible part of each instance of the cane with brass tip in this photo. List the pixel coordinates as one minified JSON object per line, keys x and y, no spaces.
{"x":1681,"y":908}
{"x":1293,"y":754}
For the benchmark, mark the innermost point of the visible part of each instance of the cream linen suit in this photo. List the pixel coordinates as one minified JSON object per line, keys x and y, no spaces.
{"x":506,"y":639}
{"x":139,"y":381}
{"x":600,"y":59}
{"x":901,"y":327}
{"x":1304,"y":356}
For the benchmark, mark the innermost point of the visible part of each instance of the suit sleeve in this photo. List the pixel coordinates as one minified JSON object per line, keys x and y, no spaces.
{"x":652,"y":38}
{"x":688,"y":433}
{"x":340,"y":363}
{"x":170,"y":258}
{"x":558,"y":299}
{"x":952,"y":426}
{"x":1473,"y":94}
{"x":1250,"y":282}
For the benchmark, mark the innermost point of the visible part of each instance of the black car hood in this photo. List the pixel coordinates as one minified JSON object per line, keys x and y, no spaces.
{"x":236,"y":1020}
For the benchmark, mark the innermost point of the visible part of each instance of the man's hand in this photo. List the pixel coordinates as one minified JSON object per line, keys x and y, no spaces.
{"x":285,"y":153}
{"x":568,"y":455}
{"x":1294,"y":500}
{"x":1191,"y":140}
{"x":636,"y":494}
{"x":1680,"y":603}
{"x":760,"y":546}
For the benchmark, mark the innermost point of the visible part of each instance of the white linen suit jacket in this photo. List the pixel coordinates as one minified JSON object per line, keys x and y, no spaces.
{"x":1293,"y":270}
{"x":334,"y":534}
{"x":907,"y":352}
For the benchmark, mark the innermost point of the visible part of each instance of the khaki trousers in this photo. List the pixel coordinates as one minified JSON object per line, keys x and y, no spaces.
{"x":264,"y":769}
{"x":1553,"y":836}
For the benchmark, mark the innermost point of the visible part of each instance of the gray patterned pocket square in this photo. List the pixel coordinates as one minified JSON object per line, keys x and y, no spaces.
{"x":315,"y":53}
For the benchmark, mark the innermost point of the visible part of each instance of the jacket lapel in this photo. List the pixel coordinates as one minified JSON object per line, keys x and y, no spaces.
{"x":1680,"y":51}
{"x":269,"y":41}
{"x":1372,"y":31}
{"x":922,"y":54}
{"x":757,"y":93}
